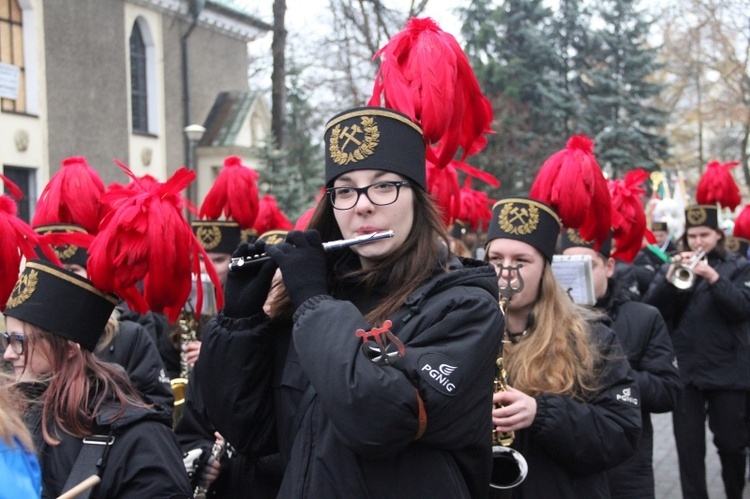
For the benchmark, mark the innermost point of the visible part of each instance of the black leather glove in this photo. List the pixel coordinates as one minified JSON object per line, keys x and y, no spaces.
{"x":247,"y":287}
{"x":302,"y":261}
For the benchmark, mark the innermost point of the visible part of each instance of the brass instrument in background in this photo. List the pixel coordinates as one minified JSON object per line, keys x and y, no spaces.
{"x":509,"y":467}
{"x":683,"y":276}
{"x":187,"y":328}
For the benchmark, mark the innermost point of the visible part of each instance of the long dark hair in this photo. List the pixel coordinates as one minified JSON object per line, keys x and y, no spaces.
{"x":408,"y":267}
{"x":78,"y":387}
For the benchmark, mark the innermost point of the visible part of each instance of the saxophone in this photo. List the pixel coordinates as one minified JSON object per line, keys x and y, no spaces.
{"x":509,"y":467}
{"x":187,"y":328}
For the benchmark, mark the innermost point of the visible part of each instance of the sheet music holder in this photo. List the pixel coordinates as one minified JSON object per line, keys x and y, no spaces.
{"x":574,"y":273}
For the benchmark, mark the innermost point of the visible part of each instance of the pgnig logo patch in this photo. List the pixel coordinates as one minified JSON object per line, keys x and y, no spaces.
{"x":624,"y":395}
{"x":440,"y":373}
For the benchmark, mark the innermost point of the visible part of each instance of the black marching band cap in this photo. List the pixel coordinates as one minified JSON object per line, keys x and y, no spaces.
{"x":702,"y":215}
{"x":367,"y":138}
{"x":218,"y":236}
{"x":571,"y":238}
{"x":61,"y":302}
{"x":659,"y":225}
{"x":526,"y":220}
{"x":738,"y":245}
{"x":68,"y":253}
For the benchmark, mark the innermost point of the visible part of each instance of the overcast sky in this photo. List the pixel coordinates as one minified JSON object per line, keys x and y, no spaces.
{"x":302,"y":14}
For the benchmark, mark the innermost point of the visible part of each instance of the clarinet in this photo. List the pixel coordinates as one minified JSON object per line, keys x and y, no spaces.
{"x":217,"y":452}
{"x":238,"y":262}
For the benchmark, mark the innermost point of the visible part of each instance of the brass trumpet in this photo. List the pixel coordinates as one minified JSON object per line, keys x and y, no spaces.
{"x":509,"y":467}
{"x":683,"y":277}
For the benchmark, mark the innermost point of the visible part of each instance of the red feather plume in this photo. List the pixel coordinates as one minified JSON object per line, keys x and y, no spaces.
{"x":304,"y":220}
{"x":442,"y":184}
{"x":426,"y":75}
{"x":270,"y":216}
{"x":17,"y":241}
{"x":718,"y":186}
{"x":572,"y":182}
{"x":742,"y":223}
{"x":475,"y":207}
{"x":630,"y":226}
{"x":71,"y":196}
{"x":145,"y":238}
{"x":234,"y":193}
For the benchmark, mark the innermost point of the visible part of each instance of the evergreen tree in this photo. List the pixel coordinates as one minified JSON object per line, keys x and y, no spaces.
{"x":294,"y":174}
{"x":523,"y":75}
{"x":617,"y":89}
{"x":571,"y":37}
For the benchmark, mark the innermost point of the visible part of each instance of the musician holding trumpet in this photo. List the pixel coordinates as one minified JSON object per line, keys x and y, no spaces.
{"x":570,"y":397}
{"x":704,"y":297}
{"x":371,"y":373}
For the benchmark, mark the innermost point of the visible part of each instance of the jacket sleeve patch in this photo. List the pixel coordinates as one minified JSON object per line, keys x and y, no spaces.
{"x":625,"y":396}
{"x":440,"y":373}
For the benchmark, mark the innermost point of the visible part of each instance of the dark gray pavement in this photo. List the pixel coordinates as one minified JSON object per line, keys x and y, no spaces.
{"x":666,"y":469}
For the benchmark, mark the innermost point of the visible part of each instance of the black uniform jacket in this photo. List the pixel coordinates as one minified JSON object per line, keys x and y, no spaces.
{"x":144,"y":460}
{"x":645,"y":339}
{"x":709,"y":324}
{"x":239,"y":476}
{"x":571,"y":443}
{"x":134,"y":350}
{"x":419,"y":426}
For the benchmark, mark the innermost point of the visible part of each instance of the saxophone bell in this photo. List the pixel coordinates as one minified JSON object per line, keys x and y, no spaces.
{"x":509,"y":467}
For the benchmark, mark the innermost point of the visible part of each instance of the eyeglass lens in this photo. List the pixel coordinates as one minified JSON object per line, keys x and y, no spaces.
{"x":380,"y":193}
{"x":14,"y":340}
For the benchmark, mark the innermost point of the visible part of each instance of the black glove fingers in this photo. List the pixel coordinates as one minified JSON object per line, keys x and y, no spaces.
{"x":246,"y":249}
{"x":242,"y":251}
{"x":297,"y":239}
{"x":313,"y":238}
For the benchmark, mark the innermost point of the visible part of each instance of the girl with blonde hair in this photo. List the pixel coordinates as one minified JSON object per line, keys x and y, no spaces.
{"x":19,"y":467}
{"x":570,"y":398}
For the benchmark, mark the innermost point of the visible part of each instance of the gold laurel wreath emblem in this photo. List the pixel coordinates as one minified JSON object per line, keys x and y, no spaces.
{"x":732,"y":244}
{"x":24,"y":288}
{"x":247,"y":235}
{"x":528,"y":220}
{"x":65,"y":252}
{"x":696,"y":216}
{"x":575,"y":238}
{"x":274,"y":239}
{"x":62,"y":252}
{"x":209,"y":237}
{"x":366,"y":147}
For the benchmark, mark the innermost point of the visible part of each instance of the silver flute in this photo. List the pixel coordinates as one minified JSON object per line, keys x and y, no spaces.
{"x":236,"y":263}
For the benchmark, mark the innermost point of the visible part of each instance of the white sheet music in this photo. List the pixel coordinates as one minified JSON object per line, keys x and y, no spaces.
{"x":574,"y":274}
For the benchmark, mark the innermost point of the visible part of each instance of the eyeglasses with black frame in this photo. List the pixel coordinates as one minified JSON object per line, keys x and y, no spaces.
{"x":379,"y":194}
{"x":14,"y":340}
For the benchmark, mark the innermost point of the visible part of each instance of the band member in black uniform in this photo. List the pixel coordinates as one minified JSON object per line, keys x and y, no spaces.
{"x":372,"y":372}
{"x":85,"y":416}
{"x":705,"y":301}
{"x":231,"y":474}
{"x":571,"y":400}
{"x":645,"y":339}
